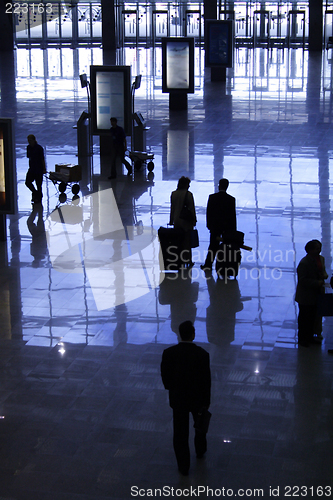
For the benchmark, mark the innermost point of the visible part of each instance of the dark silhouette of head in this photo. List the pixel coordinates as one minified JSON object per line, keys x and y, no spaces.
{"x":31,"y":139}
{"x":187,"y":330}
{"x":313,"y":247}
{"x":223,"y":184}
{"x":184,"y":183}
{"x":113,"y":121}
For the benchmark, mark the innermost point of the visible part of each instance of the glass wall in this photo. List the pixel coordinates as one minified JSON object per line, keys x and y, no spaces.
{"x":257,"y":23}
{"x":57,"y":23}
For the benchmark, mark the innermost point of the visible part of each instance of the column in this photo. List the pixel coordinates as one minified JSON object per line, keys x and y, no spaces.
{"x":108,"y":25}
{"x":315,"y":25}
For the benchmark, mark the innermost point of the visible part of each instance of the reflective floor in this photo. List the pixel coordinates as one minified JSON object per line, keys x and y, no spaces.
{"x":86,"y":313}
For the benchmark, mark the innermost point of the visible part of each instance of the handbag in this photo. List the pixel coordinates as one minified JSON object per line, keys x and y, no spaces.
{"x":185,"y":213}
{"x":194,"y":238}
{"x":325,"y":304}
{"x":201,"y":423}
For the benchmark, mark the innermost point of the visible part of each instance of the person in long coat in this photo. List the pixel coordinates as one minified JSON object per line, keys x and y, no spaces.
{"x":311,"y":274}
{"x":179,"y":198}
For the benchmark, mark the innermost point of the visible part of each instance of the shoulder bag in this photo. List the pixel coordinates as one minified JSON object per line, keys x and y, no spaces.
{"x":185,"y":213}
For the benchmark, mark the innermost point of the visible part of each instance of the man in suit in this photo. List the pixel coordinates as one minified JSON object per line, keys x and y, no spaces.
{"x":37,"y":168}
{"x":311,"y":275}
{"x":185,"y":374}
{"x":220,"y":217}
{"x":119,"y":146}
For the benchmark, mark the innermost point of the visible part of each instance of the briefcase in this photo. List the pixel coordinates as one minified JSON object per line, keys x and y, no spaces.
{"x":201,"y":423}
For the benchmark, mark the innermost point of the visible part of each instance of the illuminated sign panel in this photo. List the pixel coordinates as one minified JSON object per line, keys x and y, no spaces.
{"x":2,"y":172}
{"x":110,"y":96}
{"x":219,"y":43}
{"x":178,"y":65}
{"x":8,"y":196}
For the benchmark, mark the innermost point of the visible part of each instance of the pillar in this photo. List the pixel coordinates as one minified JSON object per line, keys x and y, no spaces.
{"x":210,"y":9}
{"x":108,"y":25}
{"x":315,"y":25}
{"x":6,"y":30}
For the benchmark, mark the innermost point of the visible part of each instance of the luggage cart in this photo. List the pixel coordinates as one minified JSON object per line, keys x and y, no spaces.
{"x":139,"y":155}
{"x":66,"y":176}
{"x":140,"y":158}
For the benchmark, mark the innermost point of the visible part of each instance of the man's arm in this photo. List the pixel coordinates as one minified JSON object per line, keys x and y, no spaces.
{"x":172,"y":211}
{"x":233,"y":220}
{"x":209,"y":213}
{"x":165,"y":371}
{"x":207,"y":380}
{"x":43,"y":161}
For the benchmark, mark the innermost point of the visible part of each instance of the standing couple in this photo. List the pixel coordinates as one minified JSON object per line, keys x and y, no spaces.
{"x":220,"y":217}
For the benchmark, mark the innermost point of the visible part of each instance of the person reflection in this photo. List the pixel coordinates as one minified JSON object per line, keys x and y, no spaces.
{"x":120,"y":311}
{"x":38,"y":246}
{"x":181,"y":294}
{"x":225,"y":302}
{"x":309,"y":392}
{"x":119,"y":333}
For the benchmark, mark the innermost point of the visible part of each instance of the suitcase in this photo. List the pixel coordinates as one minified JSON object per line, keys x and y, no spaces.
{"x":228,"y":259}
{"x":170,"y":241}
{"x":234,"y":237}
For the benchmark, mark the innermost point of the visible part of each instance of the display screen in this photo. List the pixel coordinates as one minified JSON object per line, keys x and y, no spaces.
{"x":219,"y":43}
{"x":110,"y":97}
{"x":178,"y":64}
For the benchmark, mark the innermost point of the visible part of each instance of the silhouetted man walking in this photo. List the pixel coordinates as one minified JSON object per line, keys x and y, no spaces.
{"x":37,"y":168}
{"x":119,"y":146}
{"x":220,"y":217}
{"x":185,"y":374}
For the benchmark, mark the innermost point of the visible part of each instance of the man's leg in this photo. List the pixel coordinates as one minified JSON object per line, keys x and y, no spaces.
{"x":39,"y":182}
{"x":113,"y":174}
{"x":200,"y":440}
{"x":306,"y":323}
{"x":212,"y":249}
{"x":29,"y":181}
{"x":318,"y":327}
{"x":180,"y":439}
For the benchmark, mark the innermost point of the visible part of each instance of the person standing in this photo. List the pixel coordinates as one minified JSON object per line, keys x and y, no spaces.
{"x":311,"y":274}
{"x":181,"y":198}
{"x":220,"y":217}
{"x":37,"y":168}
{"x":185,"y":372}
{"x":118,"y":148}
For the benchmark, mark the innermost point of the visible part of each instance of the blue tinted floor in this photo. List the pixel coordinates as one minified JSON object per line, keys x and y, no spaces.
{"x":86,"y":312}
